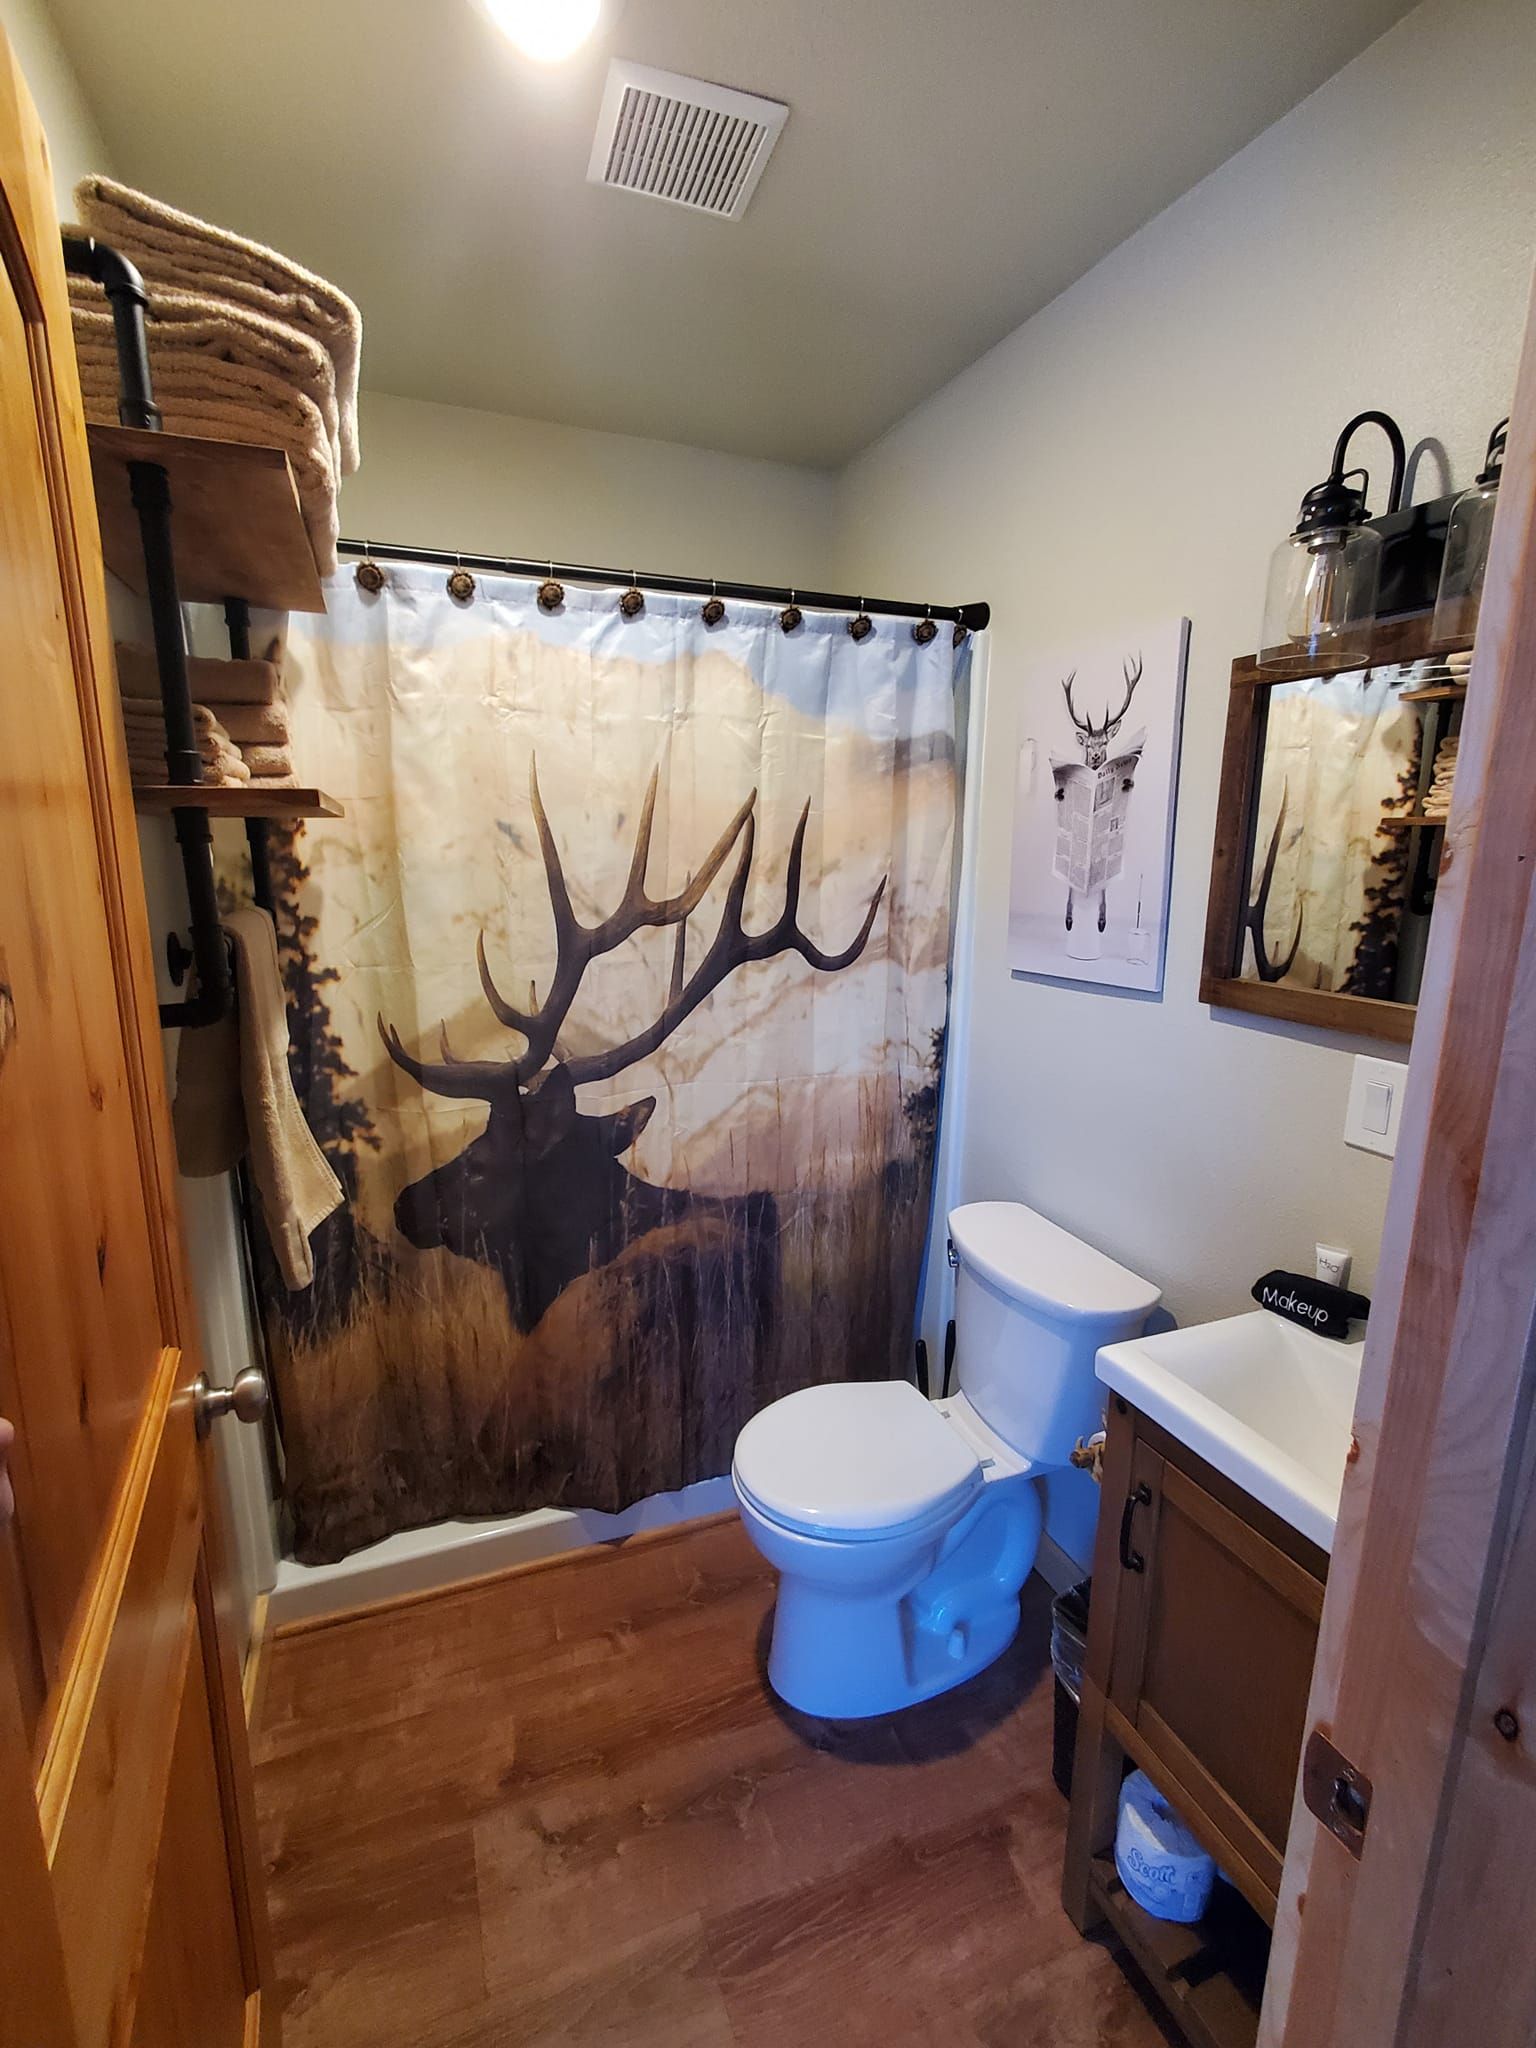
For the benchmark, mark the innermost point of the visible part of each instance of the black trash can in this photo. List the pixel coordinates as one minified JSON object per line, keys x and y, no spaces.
{"x":1069,"y":1647}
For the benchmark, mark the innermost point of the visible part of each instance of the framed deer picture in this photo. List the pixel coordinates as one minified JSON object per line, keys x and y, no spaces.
{"x":1098,"y":767}
{"x":1329,"y":829}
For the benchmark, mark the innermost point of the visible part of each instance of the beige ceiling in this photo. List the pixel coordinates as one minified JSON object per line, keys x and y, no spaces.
{"x":946,"y":170}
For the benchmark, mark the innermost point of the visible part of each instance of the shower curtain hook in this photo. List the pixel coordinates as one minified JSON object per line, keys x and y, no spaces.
{"x":461,"y":585}
{"x":791,"y":615}
{"x":712,"y":611}
{"x":862,"y":626}
{"x":368,"y":575}
{"x":551,"y":593}
{"x":633,"y":600}
{"x":925,"y":630}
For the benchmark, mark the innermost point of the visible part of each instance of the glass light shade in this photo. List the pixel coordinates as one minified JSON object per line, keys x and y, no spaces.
{"x":1320,"y":604}
{"x":548,"y":31}
{"x":1460,"y":595}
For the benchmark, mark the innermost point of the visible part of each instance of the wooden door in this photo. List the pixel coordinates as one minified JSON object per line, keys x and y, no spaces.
{"x":1426,"y":1670}
{"x":128,"y":1908}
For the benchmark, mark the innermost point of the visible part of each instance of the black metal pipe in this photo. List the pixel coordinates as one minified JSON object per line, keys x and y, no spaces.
{"x":972,"y":616}
{"x":237,"y":625}
{"x":129,"y":300}
{"x":150,"y":491}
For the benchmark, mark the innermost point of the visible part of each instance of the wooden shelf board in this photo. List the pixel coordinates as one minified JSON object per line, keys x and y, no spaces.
{"x":1209,"y":1976}
{"x":243,"y":800}
{"x":1392,"y":821}
{"x":1434,"y":693}
{"x":236,"y":527}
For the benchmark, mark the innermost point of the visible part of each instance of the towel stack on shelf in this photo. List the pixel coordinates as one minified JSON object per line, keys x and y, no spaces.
{"x":237,"y":706}
{"x":1437,"y":798}
{"x":144,"y":723}
{"x":244,"y":345}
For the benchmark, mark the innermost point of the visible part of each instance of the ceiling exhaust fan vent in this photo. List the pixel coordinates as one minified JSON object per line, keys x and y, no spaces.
{"x":682,"y":140}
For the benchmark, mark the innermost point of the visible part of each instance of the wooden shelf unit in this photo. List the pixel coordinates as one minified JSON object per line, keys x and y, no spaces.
{"x":1210,"y":1975}
{"x":1434,"y":693}
{"x":236,"y":526}
{"x":242,"y":800}
{"x":1408,"y":821}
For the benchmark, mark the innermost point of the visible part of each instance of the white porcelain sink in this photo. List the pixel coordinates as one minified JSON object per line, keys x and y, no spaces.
{"x":1267,"y":1403}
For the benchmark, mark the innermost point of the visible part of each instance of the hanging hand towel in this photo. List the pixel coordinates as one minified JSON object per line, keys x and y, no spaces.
{"x":178,"y":251}
{"x":294,"y":1181}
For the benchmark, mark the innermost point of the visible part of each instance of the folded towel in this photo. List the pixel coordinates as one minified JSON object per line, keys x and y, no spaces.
{"x":176,"y":251}
{"x":149,"y":771}
{"x":268,"y":760}
{"x":259,"y":782}
{"x":140,"y":715}
{"x":212,"y":682}
{"x":233,"y":1093}
{"x":145,"y":754}
{"x":256,"y":724}
{"x":225,"y":402}
{"x":186,"y":327}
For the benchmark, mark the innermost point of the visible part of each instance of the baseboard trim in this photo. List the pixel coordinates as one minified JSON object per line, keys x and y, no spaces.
{"x":451,"y":1553}
{"x":451,"y":1584}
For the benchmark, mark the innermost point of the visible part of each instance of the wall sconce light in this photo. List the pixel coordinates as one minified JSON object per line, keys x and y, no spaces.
{"x":1321,"y":601}
{"x":1460,"y":596}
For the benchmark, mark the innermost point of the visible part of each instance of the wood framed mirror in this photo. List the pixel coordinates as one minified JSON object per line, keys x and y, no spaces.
{"x":1329,"y":831}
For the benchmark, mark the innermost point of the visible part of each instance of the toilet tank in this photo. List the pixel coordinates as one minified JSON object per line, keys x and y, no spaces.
{"x":1033,"y":1304}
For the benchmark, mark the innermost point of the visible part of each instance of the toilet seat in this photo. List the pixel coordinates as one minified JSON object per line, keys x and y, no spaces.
{"x":855,"y":1461}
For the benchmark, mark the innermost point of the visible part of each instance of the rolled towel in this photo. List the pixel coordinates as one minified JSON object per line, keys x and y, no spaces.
{"x":212,"y":682}
{"x":263,"y":760}
{"x":256,"y":724}
{"x":179,"y":252}
{"x":186,"y":327}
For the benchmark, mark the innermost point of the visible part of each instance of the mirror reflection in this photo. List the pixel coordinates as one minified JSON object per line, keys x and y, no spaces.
{"x":1354,"y":780}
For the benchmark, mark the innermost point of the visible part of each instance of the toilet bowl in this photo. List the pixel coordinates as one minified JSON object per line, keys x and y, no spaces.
{"x":902,"y":1529}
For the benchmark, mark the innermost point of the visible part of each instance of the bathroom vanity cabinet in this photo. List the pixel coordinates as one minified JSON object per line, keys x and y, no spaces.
{"x":1201,"y":1640}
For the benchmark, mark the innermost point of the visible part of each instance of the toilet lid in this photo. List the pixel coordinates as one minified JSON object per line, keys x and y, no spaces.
{"x":855,"y":1458}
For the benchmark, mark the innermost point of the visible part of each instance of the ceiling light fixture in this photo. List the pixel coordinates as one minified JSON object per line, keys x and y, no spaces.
{"x":548,"y":31}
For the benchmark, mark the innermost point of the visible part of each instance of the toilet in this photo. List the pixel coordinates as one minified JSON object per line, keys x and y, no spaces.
{"x":901,"y":1528}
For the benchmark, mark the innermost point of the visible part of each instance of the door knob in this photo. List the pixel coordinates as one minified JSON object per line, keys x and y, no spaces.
{"x":246,"y":1399}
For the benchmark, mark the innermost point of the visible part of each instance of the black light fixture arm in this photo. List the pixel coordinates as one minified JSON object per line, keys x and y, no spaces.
{"x":1394,"y":434}
{"x":151,"y":495}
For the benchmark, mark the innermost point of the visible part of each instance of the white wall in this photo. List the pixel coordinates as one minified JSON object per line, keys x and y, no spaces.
{"x":442,"y":476}
{"x":74,"y":140}
{"x":1133,"y":453}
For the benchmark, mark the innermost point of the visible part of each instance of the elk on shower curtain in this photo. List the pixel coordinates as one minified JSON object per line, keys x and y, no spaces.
{"x":617,"y":1000}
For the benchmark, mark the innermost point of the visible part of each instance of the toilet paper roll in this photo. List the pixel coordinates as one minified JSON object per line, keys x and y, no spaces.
{"x":1160,"y":1863}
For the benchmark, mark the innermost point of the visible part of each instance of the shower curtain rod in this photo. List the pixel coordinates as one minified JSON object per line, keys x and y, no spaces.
{"x":973,"y":616}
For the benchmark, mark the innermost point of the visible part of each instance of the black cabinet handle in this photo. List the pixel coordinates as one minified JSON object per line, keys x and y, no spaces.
{"x":1139,"y":1497}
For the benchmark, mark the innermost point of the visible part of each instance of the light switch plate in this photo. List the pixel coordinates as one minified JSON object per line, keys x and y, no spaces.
{"x":1375,"y":1105}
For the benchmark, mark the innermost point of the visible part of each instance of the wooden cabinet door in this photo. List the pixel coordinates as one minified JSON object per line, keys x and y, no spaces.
{"x":1213,"y":1660}
{"x":128,"y":1908}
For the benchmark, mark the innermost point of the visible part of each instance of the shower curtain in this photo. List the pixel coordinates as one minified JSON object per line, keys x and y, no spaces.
{"x":617,"y":1000}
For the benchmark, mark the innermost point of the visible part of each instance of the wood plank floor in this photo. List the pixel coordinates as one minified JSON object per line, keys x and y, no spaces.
{"x":562,"y":1809}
